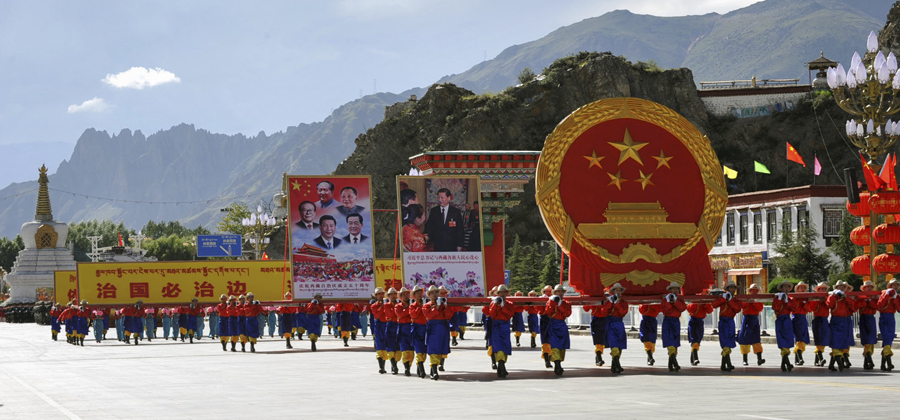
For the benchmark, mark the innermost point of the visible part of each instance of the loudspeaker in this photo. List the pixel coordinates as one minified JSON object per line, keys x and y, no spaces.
{"x":850,"y":183}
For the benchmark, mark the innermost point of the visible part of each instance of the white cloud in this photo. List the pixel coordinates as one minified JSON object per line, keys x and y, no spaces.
{"x":90,"y":105}
{"x":140,"y":77}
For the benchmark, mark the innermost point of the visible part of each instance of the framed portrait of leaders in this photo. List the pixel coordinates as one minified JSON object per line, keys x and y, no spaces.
{"x":440,"y":233}
{"x":330,"y":222}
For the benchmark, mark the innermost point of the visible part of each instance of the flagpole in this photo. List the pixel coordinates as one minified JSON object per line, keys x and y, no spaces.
{"x":755,"y":176}
{"x":787,"y":176}
{"x":815,"y":159}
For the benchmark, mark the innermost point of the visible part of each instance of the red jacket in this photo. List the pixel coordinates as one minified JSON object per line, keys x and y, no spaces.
{"x":503,"y":313}
{"x":313,"y":308}
{"x":782,"y":308}
{"x":599,"y":311}
{"x":415,"y":313}
{"x":651,"y":310}
{"x":840,"y":307}
{"x":887,"y":304}
{"x":730,"y":308}
{"x":803,"y":307}
{"x":866,"y":306}
{"x":387,"y":312}
{"x":818,"y":308}
{"x":752,"y":308}
{"x":435,"y":312}
{"x":699,"y":310}
{"x":253,"y":310}
{"x":674,"y":309}
{"x":619,"y":309}
{"x":401,"y":311}
{"x":560,"y":311}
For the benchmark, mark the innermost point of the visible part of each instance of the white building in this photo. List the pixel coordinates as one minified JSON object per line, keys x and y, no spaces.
{"x":753,"y":222}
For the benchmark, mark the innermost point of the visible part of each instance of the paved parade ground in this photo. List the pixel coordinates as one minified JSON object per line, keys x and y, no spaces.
{"x":42,"y":379}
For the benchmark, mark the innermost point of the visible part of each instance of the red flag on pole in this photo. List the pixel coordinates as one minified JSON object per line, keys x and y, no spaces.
{"x":873,"y":182}
{"x":120,"y":240}
{"x":793,"y":156}
{"x":265,"y":256}
{"x":817,"y":167}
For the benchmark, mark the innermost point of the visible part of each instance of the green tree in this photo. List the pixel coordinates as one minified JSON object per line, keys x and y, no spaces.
{"x":526,"y":75}
{"x":842,"y":247}
{"x":513,"y":260}
{"x":9,"y":250}
{"x":800,"y":258}
{"x":154,"y":230}
{"x":550,"y":270}
{"x":106,"y":229}
{"x":171,"y":248}
{"x":231,"y":222}
{"x":531,"y":268}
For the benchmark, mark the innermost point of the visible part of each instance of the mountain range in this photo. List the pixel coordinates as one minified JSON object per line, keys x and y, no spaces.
{"x":188,"y":174}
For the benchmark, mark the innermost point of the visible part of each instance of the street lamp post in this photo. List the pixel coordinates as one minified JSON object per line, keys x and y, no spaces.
{"x":870,"y":92}
{"x":258,"y":227}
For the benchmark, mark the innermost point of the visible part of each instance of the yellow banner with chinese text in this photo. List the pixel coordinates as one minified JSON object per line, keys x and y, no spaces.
{"x":179,"y":282}
{"x":388,"y":274}
{"x":65,"y":286}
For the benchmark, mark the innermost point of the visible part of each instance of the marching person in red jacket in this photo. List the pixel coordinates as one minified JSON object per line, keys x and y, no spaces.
{"x":557,"y":310}
{"x":750,"y":333}
{"x":224,"y":321}
{"x":437,"y":334}
{"x":417,"y":328}
{"x":783,"y":305}
{"x":404,"y":331}
{"x":500,"y":311}
{"x":672,"y":306}
{"x":842,"y":308}
{"x":820,"y":328}
{"x":648,"y":329}
{"x":534,"y":313}
{"x":868,"y":332}
{"x":888,"y":305}
{"x":615,"y":328}
{"x":314,"y":311}
{"x":599,"y":312}
{"x":801,"y":326}
{"x":698,"y":313}
{"x":730,"y":306}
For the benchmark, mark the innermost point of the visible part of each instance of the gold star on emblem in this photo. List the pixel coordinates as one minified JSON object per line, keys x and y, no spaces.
{"x":662,"y":160}
{"x":617,"y":180}
{"x":296,"y":185}
{"x":594,"y":160}
{"x":629,"y":149}
{"x":644,"y":180}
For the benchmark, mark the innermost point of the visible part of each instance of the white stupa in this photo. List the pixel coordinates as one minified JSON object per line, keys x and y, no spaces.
{"x":44,"y":252}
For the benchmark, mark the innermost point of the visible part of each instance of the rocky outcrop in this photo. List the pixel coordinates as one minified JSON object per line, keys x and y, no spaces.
{"x":449,"y":117}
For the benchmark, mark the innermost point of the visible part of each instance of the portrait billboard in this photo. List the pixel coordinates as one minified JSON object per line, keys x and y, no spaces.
{"x":331,"y":236}
{"x":441,"y":229}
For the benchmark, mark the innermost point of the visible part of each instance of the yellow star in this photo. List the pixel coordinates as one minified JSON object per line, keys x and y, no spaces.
{"x":594,"y":160}
{"x":644,"y":180}
{"x":296,"y":185}
{"x":662,"y":160}
{"x":617,"y":180}
{"x":629,"y":149}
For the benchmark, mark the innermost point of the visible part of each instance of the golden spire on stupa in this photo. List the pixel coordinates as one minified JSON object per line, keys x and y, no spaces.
{"x":43,"y":212}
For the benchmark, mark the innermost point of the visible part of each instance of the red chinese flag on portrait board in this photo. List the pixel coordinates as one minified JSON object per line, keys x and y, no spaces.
{"x":793,"y":156}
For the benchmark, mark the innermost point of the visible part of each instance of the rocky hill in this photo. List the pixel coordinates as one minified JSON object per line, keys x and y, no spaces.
{"x":769,"y":39}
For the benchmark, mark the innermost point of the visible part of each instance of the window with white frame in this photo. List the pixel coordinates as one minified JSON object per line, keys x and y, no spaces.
{"x":745,"y":228}
{"x":729,"y":228}
{"x":757,"y":227}
{"x":831,"y":222}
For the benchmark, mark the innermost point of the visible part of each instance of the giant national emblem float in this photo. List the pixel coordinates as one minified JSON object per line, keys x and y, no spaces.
{"x":635,"y":194}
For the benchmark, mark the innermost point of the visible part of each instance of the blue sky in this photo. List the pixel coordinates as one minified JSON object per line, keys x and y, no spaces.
{"x":232,"y":67}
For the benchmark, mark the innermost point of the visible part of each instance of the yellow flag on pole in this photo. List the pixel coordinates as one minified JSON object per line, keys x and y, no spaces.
{"x":730,"y":173}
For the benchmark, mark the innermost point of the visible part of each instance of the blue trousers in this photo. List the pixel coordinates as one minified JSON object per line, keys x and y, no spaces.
{"x":671,"y":332}
{"x":437,"y":337}
{"x":404,"y":337}
{"x":615,"y":333}
{"x":648,"y":329}
{"x":598,"y":330}
{"x":726,"y":333}
{"x":749,"y":330}
{"x":695,"y":330}
{"x":391,"y":332}
{"x":418,"y":337}
{"x":868,"y":334}
{"x":500,"y":336}
{"x":784,"y":331}
{"x":821,"y":331}
{"x":166,"y":326}
{"x":558,"y":333}
{"x":841,"y":329}
{"x":801,"y":328}
{"x":272,"y":321}
{"x":887,"y":326}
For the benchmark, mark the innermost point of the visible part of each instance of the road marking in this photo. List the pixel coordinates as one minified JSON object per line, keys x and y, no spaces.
{"x":639,"y":402}
{"x":542,"y":390}
{"x":836,"y":384}
{"x":761,"y":417}
{"x":46,"y":399}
